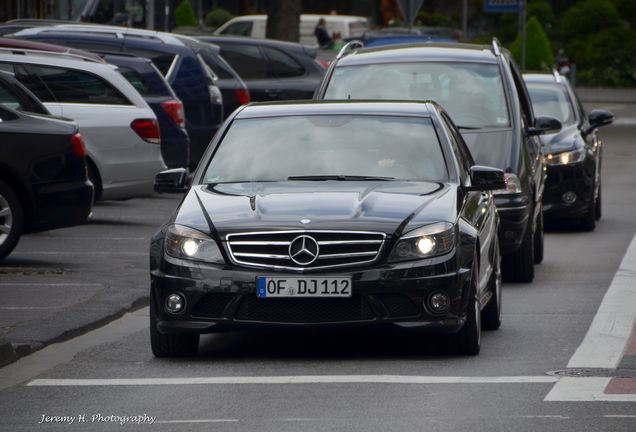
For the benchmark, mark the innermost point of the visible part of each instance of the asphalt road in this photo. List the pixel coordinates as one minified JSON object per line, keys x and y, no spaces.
{"x":344,"y":381}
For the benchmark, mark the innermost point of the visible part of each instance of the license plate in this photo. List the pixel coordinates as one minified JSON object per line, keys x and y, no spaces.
{"x":303,"y":287}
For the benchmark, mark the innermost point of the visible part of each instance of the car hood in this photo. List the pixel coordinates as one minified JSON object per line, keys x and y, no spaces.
{"x":390,"y":207}
{"x":564,"y":140}
{"x":491,"y":148}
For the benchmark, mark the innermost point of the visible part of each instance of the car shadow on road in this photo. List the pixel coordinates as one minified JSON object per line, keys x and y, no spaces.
{"x":324,"y":345}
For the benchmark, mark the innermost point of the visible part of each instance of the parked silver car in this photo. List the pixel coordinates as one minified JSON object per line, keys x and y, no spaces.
{"x":120,"y":130}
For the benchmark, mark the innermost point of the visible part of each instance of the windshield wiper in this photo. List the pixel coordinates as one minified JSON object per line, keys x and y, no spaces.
{"x":338,"y":178}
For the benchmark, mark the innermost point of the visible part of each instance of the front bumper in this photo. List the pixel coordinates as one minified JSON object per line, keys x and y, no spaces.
{"x":221,"y":298}
{"x":577,"y":178}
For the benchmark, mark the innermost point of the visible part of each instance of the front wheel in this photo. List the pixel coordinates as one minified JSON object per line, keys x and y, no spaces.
{"x":11,"y":219}
{"x":491,"y":315}
{"x":170,"y":345}
{"x":519,"y":266}
{"x":468,"y":340}
{"x":538,"y":238}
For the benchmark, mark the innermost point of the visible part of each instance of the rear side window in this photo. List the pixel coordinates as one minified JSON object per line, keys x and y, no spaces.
{"x":216,"y":64}
{"x":138,"y":82}
{"x":28,"y":80}
{"x":162,"y":60}
{"x":242,"y":28}
{"x":72,"y":86}
{"x":282,"y":65}
{"x":247,"y":60}
{"x":8,"y":99}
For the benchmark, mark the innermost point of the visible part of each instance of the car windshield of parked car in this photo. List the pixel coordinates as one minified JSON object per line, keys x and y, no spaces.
{"x":323,"y":146}
{"x":472,"y":93}
{"x":551,"y":100}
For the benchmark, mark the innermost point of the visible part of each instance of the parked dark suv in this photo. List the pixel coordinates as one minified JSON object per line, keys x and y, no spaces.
{"x":484,"y":93}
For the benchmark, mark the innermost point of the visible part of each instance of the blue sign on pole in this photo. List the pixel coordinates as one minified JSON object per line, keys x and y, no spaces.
{"x":502,"y":5}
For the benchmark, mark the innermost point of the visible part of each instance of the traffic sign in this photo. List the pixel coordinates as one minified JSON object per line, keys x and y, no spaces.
{"x":502,"y":5}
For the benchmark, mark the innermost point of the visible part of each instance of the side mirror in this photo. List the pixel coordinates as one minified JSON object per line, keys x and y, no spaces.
{"x":171,"y":181}
{"x":484,"y":178}
{"x":600,"y":117}
{"x":545,"y":125}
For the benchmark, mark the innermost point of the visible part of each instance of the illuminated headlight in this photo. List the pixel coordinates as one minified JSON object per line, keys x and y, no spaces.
{"x":565,"y":158}
{"x":187,"y":243}
{"x":425,"y":242}
{"x":513,"y":185}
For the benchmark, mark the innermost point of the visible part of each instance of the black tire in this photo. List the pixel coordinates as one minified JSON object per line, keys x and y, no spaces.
{"x":599,"y":203}
{"x":588,"y":222}
{"x":171,"y":345}
{"x":538,"y":239}
{"x":491,"y":315}
{"x":519,"y":266}
{"x":468,"y":340}
{"x":11,"y":219}
{"x":94,"y":177}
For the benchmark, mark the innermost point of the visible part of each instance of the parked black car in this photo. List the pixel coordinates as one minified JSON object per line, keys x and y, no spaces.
{"x":146,"y":78}
{"x":272,"y":70}
{"x":574,"y":155}
{"x":182,"y":67}
{"x":484,"y":93}
{"x":43,"y":180}
{"x":233,"y":89}
{"x":360,"y":213}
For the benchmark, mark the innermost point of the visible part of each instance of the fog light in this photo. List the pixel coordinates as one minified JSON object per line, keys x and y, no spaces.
{"x":569,"y":197}
{"x":175,"y":303}
{"x":439,"y":302}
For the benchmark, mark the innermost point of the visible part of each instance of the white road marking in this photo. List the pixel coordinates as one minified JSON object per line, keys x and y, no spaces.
{"x":625,"y":121}
{"x":197,"y":421}
{"x":607,"y":337}
{"x":299,"y":379}
{"x":619,"y":416}
{"x":589,"y":389}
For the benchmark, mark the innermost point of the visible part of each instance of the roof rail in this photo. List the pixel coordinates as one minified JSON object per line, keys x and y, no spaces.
{"x":28,"y":51}
{"x":349,"y":47}
{"x":496,"y":46}
{"x":557,"y":76}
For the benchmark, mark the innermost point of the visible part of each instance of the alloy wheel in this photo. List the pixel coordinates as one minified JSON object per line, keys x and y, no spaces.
{"x":6,"y":219}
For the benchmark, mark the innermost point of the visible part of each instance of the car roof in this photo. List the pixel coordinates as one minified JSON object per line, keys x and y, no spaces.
{"x":412,"y":52}
{"x":358,"y":107}
{"x":543,"y":77}
{"x":41,"y":46}
{"x":249,"y":40}
{"x":54,"y":59}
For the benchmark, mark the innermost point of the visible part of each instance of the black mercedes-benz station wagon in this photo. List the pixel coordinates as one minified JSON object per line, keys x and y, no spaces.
{"x":325,"y":213}
{"x":483,"y":91}
{"x":574,"y":155}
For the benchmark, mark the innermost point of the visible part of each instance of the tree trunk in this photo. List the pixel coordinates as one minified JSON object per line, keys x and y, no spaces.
{"x":283,"y":20}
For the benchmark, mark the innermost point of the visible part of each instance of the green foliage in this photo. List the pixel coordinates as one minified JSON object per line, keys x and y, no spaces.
{"x":542,"y":10}
{"x":217,"y":17}
{"x":184,"y":14}
{"x":538,"y":47}
{"x":600,"y":43}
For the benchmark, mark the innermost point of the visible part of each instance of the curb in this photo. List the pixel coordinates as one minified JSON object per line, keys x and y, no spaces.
{"x":12,"y":351}
{"x":611,"y":95}
{"x":7,"y":353}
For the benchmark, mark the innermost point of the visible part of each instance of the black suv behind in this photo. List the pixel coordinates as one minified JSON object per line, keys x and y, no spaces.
{"x":484,"y":93}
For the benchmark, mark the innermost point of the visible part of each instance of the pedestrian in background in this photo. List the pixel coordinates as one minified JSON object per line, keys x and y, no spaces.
{"x":322,"y":35}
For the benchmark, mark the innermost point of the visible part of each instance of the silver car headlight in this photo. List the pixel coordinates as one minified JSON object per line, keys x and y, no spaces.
{"x":187,"y":243}
{"x":425,"y":242}
{"x":566,"y":158}
{"x":513,"y":185}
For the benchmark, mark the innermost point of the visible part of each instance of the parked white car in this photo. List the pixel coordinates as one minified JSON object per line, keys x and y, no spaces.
{"x":120,"y":130}
{"x":254,"y":26}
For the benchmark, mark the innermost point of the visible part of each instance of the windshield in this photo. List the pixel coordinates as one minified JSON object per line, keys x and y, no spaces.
{"x":472,"y":93}
{"x":551,"y":100}
{"x":334,"y":147}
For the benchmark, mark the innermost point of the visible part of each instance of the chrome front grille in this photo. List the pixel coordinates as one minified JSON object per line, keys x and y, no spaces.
{"x":335,"y":248}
